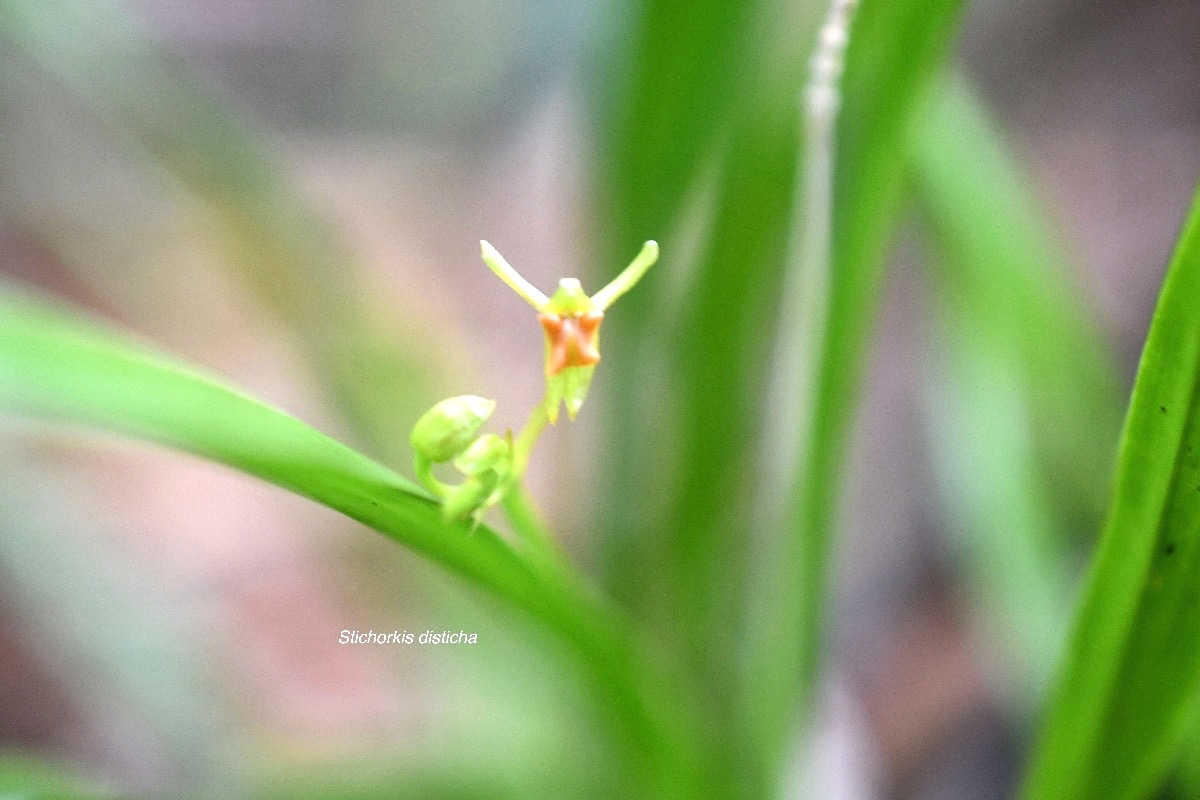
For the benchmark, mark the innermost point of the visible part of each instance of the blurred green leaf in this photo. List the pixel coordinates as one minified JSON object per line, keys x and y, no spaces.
{"x":678,"y":76}
{"x":895,"y":47}
{"x":456,"y":779}
{"x":701,"y":430}
{"x":674,"y":75}
{"x":1126,"y":691}
{"x":54,"y":366}
{"x":1010,"y":278}
{"x":682,"y":451}
{"x":1185,"y":783}
{"x":28,"y":778}
{"x":1027,"y":399}
{"x":289,"y":256}
{"x":58,"y":367}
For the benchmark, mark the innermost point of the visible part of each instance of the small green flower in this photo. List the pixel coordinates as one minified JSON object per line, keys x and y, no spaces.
{"x":571,"y":323}
{"x":489,"y":463}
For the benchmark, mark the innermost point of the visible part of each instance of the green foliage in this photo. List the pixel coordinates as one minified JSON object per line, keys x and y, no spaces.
{"x":1023,"y":399}
{"x":23,"y":778}
{"x":693,"y":543}
{"x":58,"y":367}
{"x":894,"y":51}
{"x":705,"y":658}
{"x":1133,"y":668}
{"x":148,"y":100}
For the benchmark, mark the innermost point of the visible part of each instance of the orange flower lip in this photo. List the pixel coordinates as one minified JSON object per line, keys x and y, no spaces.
{"x":572,"y":340}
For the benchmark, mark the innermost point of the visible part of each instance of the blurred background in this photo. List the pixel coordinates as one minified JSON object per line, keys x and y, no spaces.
{"x":290,"y":194}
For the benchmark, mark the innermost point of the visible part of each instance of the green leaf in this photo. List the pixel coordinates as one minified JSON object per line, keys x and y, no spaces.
{"x":717,"y":349}
{"x":1125,"y":694}
{"x":895,"y":47}
{"x":701,"y":94}
{"x":148,"y":100}
{"x":673,"y":76}
{"x":987,"y":221}
{"x":1025,"y":399}
{"x":58,"y":367}
{"x":24,"y":777}
{"x":686,"y":535}
{"x":1186,"y":779}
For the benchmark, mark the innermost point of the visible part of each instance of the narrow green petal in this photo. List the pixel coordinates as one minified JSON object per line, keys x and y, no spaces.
{"x":628,"y":277}
{"x":492,"y":257}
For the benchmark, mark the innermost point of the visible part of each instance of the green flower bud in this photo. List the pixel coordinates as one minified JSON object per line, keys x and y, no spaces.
{"x":487,"y":453}
{"x":448,"y":428}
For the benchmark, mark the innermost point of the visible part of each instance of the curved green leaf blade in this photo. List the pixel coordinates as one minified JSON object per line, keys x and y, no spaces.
{"x":1133,"y":666}
{"x":56,"y":366}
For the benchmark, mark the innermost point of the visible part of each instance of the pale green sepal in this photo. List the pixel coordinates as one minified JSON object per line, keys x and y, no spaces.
{"x":504,"y":270}
{"x":554,"y":395}
{"x":570,"y":387}
{"x":578,"y":381}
